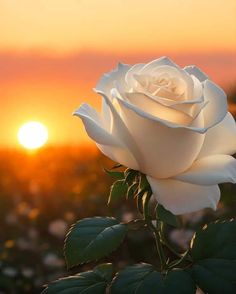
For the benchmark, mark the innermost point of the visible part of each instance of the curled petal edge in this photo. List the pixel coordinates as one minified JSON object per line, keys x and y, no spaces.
{"x":181,"y":197}
{"x":148,"y":116}
{"x":211,"y":170}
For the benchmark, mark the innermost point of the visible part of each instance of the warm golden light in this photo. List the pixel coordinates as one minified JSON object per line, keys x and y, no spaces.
{"x":32,"y":135}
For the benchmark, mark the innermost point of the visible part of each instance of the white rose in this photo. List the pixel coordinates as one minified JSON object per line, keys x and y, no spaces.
{"x":171,"y":124}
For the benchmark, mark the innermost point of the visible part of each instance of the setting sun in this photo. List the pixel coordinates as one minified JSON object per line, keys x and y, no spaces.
{"x":32,"y":135}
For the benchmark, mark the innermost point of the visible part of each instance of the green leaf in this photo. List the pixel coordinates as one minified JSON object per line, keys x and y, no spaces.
{"x":118,"y":190}
{"x":166,"y":216}
{"x":89,"y":282}
{"x":115,"y":174}
{"x":215,"y":276}
{"x":93,"y":238}
{"x":137,"y":279}
{"x":217,"y":240}
{"x":213,"y":249}
{"x":105,"y":270}
{"x":143,"y":279}
{"x":180,"y":282}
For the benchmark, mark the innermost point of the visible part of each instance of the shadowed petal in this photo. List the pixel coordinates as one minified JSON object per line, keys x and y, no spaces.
{"x":217,"y":107}
{"x":194,"y":70}
{"x":111,"y":145}
{"x":93,"y":125}
{"x":221,"y":139}
{"x":211,"y":170}
{"x":180,"y":197}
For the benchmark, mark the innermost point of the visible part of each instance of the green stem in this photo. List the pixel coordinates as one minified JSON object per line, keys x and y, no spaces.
{"x":165,"y":241}
{"x":159,"y":247}
{"x":154,"y":230}
{"x":184,"y":257}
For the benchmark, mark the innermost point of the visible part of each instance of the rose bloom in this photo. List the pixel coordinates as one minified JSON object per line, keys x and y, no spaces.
{"x":172,"y":124}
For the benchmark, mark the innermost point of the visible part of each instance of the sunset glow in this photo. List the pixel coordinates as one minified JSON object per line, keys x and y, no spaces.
{"x":32,"y":135}
{"x":51,"y":57}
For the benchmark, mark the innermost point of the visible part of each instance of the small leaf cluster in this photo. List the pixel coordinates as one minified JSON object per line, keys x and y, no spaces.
{"x":210,"y":262}
{"x":130,"y":184}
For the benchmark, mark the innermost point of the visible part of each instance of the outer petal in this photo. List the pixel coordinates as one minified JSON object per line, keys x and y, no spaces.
{"x":157,"y":109}
{"x":211,"y":170}
{"x":149,"y":67}
{"x":217,"y":107}
{"x":112,"y":146}
{"x":196,"y":125}
{"x":221,"y":139}
{"x":165,"y":150}
{"x":119,"y":130}
{"x":129,"y":77}
{"x":93,"y":125}
{"x":194,"y":70}
{"x":107,"y":81}
{"x":180,"y":197}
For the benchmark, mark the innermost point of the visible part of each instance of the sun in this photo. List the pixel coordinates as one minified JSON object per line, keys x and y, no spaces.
{"x":32,"y":135}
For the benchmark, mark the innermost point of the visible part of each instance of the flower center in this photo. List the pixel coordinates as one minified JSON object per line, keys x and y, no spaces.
{"x":162,"y":85}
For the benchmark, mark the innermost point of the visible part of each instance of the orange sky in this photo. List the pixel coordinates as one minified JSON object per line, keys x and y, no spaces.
{"x":53,"y":52}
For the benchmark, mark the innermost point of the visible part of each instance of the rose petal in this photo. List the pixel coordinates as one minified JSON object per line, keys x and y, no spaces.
{"x":221,"y":139}
{"x":196,"y":99}
{"x":214,"y":111}
{"x":149,"y":67}
{"x":130,"y":81}
{"x":110,"y":144}
{"x":119,"y":130}
{"x":157,"y":109}
{"x":196,"y":104}
{"x":217,"y":107}
{"x":211,"y":170}
{"x":106,"y":83}
{"x":180,"y":197}
{"x":156,"y":138}
{"x":93,"y":125}
{"x":119,"y":154}
{"x":194,"y":70}
{"x":106,"y":115}
{"x":165,"y":65}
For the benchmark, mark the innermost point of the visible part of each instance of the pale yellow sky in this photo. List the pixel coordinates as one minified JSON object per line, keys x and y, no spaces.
{"x":118,"y":25}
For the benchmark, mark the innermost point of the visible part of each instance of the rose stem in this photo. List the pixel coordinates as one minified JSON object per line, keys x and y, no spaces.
{"x":154,"y":230}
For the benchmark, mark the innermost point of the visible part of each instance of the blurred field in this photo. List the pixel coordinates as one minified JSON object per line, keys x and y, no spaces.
{"x":42,"y":193}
